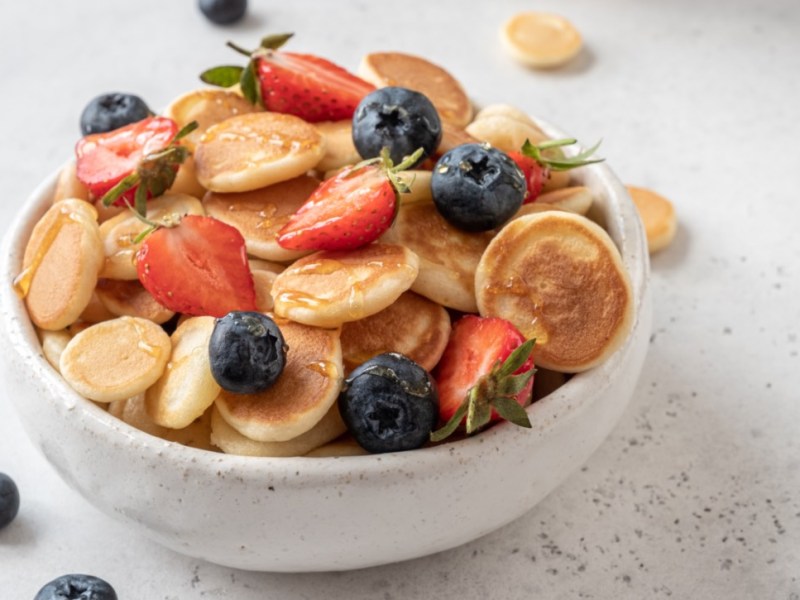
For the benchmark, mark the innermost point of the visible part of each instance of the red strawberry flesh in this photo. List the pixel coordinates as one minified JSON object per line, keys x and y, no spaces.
{"x":198,"y":267}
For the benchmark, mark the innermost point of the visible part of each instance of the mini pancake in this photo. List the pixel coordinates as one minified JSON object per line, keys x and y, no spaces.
{"x":658,"y":216}
{"x":252,"y":151}
{"x":195,"y":435}
{"x":263,"y":281}
{"x":104,"y":213}
{"x":505,"y":133}
{"x":260,"y":214}
{"x":453,"y":136}
{"x":345,"y":445}
{"x":559,"y":278}
{"x":119,"y":233}
{"x":306,"y":389}
{"x":505,"y":110}
{"x":208,"y":107}
{"x":53,"y":344}
{"x":541,"y":40}
{"x":69,"y":186}
{"x":419,"y":183}
{"x":340,"y":150}
{"x":329,"y":288}
{"x":115,"y":359}
{"x":96,"y":311}
{"x":577,"y":199}
{"x":448,"y":256}
{"x":231,"y":441}
{"x":418,"y":74}
{"x":412,"y":325}
{"x":61,"y":264}
{"x":186,"y":388}
{"x":186,"y":180}
{"x":129,"y":298}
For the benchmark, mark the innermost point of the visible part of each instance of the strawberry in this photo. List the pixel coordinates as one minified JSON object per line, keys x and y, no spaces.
{"x":537,"y":161}
{"x":131,"y":163}
{"x":349,"y":210}
{"x":485,"y":374}
{"x":304,"y":85}
{"x":197,"y":267}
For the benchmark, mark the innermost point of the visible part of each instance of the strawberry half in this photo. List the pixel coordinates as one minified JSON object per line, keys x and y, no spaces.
{"x":198,"y":267}
{"x":143,"y":155}
{"x":537,"y":161}
{"x":485,"y":374}
{"x":304,"y":85}
{"x":349,"y":210}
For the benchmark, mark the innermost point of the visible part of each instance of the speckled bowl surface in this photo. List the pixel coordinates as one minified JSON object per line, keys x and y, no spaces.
{"x":315,"y":514}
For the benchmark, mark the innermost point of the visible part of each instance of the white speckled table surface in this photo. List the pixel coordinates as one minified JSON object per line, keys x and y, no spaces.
{"x":696,"y":494}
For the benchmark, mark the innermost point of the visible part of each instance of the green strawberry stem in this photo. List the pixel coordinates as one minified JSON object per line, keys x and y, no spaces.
{"x":535,"y":151}
{"x":496,"y":390}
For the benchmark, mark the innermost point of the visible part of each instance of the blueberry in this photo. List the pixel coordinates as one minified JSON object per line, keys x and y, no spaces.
{"x":389,"y":404}
{"x":108,"y":112}
{"x":399,"y":119}
{"x":9,"y":500}
{"x":247,"y":352}
{"x":77,"y":587}
{"x":223,"y":12}
{"x":477,"y":187}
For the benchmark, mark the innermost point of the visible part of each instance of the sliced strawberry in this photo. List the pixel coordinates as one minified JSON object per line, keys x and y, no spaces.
{"x":485,"y":374}
{"x":198,"y":267}
{"x":105,"y":159}
{"x":536,"y":162}
{"x":309,"y":87}
{"x":304,"y":85}
{"x":349,"y":210}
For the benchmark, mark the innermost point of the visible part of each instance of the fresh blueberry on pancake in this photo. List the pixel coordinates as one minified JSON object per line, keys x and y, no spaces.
{"x":476,"y":187}
{"x":247,"y":352}
{"x":389,"y":404}
{"x":112,"y":111}
{"x":399,"y":119}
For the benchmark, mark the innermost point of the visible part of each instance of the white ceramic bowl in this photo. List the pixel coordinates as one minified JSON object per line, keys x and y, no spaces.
{"x":314,"y":514}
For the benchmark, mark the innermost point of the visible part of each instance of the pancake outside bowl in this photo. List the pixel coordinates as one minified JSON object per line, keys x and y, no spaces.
{"x":292,"y":514}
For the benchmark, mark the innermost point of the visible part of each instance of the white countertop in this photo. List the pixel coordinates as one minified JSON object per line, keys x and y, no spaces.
{"x":696,"y":494}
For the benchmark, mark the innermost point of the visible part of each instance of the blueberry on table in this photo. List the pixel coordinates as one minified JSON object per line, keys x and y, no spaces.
{"x":77,"y":587}
{"x":476,"y":187}
{"x":9,"y":500}
{"x":108,"y":112}
{"x":247,"y":352}
{"x":399,"y":119}
{"x":389,"y":404}
{"x":223,"y":12}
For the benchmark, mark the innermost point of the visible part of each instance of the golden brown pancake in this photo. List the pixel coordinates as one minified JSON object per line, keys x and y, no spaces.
{"x":559,"y":278}
{"x":658,"y":216}
{"x":130,"y":298}
{"x":60,"y":266}
{"x":328,"y":288}
{"x":340,"y":150}
{"x":412,"y":325}
{"x":448,"y":256}
{"x":252,"y":151}
{"x":344,"y":445}
{"x":231,"y":441}
{"x":306,"y":389}
{"x":421,"y":75}
{"x":260,"y":214}
{"x":207,"y":107}
{"x":69,"y":186}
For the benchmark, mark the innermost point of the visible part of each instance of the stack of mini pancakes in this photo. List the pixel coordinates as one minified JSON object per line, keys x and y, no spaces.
{"x":551,"y":271}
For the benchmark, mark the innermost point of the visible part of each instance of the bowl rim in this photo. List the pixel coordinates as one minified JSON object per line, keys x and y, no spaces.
{"x":625,"y":228}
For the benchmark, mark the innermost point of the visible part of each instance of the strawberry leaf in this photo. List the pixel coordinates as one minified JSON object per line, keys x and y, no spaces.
{"x":186,"y":130}
{"x":250,"y":87}
{"x":449,"y":428}
{"x":514,"y":384}
{"x":273,"y":42}
{"x":510,"y":410}
{"x":516,"y":359}
{"x":559,"y":163}
{"x":224,"y":76}
{"x":479,"y":411}
{"x":123,"y":186}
